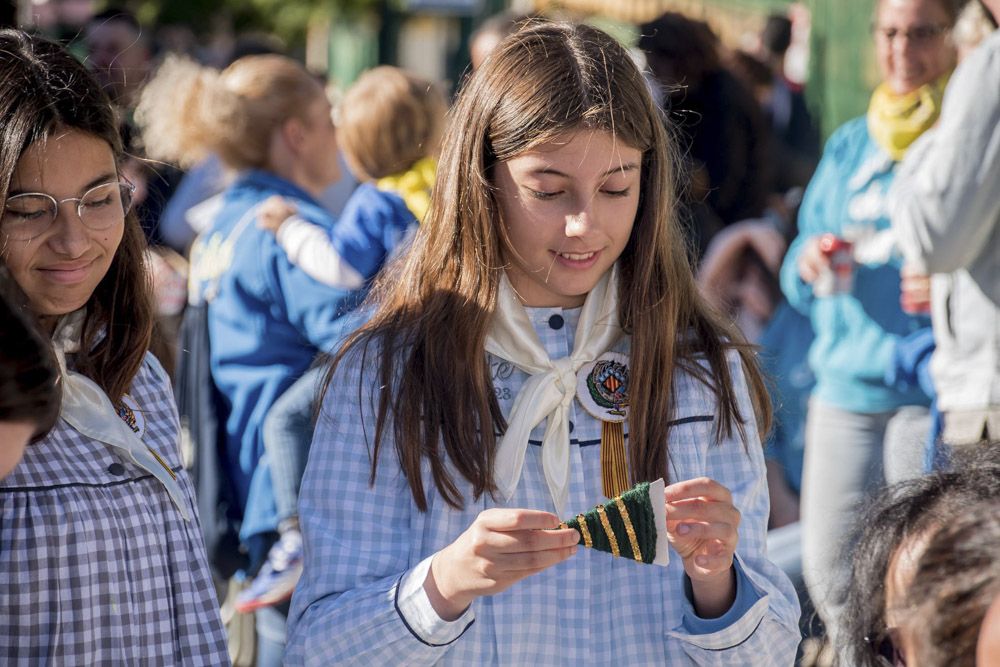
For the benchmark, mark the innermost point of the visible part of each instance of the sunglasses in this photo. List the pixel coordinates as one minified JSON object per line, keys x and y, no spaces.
{"x":920,"y":35}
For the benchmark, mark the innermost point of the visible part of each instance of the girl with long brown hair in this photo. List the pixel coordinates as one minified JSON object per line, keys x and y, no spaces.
{"x":470,"y":413}
{"x":101,"y":551}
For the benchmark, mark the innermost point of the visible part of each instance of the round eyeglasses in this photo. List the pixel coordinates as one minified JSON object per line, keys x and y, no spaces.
{"x":30,"y":214}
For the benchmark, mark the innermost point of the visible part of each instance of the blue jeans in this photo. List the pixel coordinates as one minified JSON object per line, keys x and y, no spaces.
{"x":270,"y":623}
{"x":287,"y":431}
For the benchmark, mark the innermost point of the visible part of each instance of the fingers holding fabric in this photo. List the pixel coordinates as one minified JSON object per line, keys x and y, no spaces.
{"x":702,"y":526}
{"x":501,"y":547}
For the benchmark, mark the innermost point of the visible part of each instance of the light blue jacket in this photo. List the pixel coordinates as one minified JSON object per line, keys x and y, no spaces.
{"x":856,"y":333}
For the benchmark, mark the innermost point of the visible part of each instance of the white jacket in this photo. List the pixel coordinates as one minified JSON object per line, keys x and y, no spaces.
{"x":945,"y":208}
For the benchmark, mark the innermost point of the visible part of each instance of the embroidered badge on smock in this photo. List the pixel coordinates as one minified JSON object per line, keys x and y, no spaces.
{"x":602,"y":389}
{"x":131,"y":414}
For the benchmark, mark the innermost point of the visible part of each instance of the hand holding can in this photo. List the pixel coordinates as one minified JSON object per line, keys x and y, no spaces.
{"x":838,"y":276}
{"x":914,"y":291}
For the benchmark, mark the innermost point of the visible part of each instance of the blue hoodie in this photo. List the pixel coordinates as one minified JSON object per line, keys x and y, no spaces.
{"x":267,"y":320}
{"x":856,"y":333}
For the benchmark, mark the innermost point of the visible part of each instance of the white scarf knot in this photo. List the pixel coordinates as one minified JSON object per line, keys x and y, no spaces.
{"x":565,"y":379}
{"x":89,"y":411}
{"x":550,"y":390}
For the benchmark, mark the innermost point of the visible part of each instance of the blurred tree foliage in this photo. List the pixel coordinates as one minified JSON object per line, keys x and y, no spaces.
{"x":288,"y":19}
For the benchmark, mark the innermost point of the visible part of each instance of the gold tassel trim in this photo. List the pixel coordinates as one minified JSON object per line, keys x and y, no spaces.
{"x":614,"y":467}
{"x":162,"y":462}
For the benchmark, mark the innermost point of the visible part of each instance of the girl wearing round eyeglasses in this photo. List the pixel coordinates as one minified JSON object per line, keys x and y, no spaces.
{"x":101,"y":550}
{"x":858,"y":423}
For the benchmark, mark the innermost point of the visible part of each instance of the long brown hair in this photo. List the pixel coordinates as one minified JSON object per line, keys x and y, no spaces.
{"x":433,"y":312}
{"x":47,"y":90}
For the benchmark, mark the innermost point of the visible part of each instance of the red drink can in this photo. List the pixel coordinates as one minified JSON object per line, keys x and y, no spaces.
{"x":839,"y":279}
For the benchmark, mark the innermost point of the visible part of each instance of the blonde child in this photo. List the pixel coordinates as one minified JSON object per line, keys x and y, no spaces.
{"x":389,"y":127}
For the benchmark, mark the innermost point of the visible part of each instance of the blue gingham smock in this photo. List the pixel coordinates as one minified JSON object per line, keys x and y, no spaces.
{"x":367,"y":550}
{"x":99,"y":566}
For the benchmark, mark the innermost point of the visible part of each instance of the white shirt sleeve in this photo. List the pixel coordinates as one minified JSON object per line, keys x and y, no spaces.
{"x":418,"y":613}
{"x":309,"y":247}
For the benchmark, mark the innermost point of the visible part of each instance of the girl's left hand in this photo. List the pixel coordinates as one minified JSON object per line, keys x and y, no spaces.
{"x":702,"y":526}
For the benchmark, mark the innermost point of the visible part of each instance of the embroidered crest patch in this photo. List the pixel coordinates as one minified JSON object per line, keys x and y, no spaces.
{"x":130,"y":413}
{"x":602,"y":387}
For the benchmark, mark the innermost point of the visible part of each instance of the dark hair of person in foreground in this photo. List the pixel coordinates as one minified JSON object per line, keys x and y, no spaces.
{"x":29,"y":376}
{"x":910,"y":516}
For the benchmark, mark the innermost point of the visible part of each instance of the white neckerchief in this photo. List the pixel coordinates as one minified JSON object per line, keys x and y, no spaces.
{"x":88,"y":409}
{"x":549,"y":391}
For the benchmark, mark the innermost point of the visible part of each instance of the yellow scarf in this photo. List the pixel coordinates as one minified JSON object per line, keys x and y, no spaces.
{"x":413,"y":186}
{"x":895,"y":121}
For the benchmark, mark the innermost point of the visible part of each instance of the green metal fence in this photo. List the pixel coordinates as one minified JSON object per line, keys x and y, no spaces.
{"x":841,"y":63}
{"x":842,"y":70}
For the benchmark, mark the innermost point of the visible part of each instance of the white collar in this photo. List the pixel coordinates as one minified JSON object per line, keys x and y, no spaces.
{"x":88,"y":409}
{"x":549,"y":391}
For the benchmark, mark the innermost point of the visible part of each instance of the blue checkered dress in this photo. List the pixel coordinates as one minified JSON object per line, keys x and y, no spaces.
{"x":99,"y":567}
{"x":593,"y":609}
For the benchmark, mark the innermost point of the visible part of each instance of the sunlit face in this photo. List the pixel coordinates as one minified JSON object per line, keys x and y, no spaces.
{"x":14,"y":437}
{"x":60,"y":269}
{"x":568,"y":206}
{"x":912,"y":43}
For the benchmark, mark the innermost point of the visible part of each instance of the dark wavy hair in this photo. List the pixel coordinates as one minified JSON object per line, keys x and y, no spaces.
{"x":957,"y":578}
{"x":29,"y":376}
{"x":45,"y":90}
{"x":903,"y":512}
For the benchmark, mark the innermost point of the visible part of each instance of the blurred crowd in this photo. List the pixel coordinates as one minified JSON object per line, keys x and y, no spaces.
{"x":866,"y":271}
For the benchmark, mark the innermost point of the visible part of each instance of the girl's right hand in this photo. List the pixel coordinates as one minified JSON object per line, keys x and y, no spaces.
{"x":500,"y":548}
